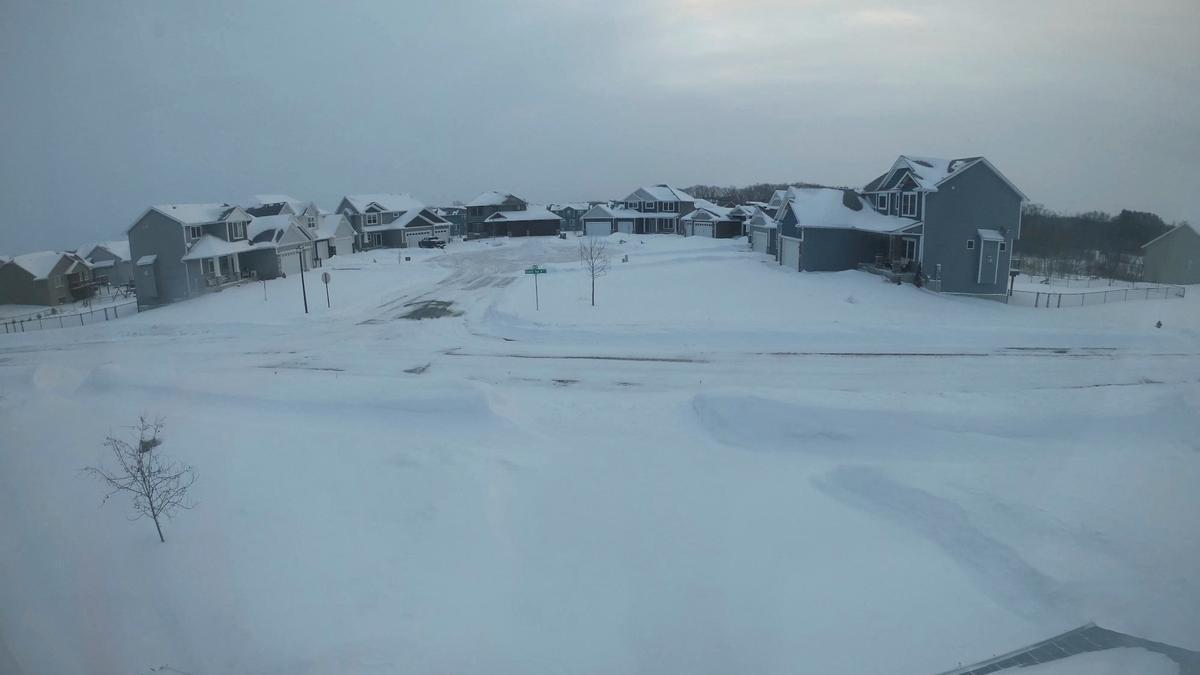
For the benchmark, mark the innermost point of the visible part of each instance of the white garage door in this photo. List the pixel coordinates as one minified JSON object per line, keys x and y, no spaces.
{"x":789,"y":250}
{"x":597,"y":228}
{"x":343,"y":245}
{"x":702,"y":230}
{"x":413,"y":237}
{"x":625,"y":226}
{"x":289,"y":262}
{"x":759,"y":239}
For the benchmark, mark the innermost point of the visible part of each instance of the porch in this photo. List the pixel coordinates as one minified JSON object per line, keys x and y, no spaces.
{"x":899,"y":262}
{"x":220,"y":271}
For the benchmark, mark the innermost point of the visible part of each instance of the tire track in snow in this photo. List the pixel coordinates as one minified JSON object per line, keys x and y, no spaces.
{"x":996,"y":568}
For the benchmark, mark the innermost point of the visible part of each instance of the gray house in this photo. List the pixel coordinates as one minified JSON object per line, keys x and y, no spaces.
{"x":45,"y":278}
{"x":456,"y":216}
{"x":109,"y":261}
{"x":391,"y":220}
{"x":182,"y":250}
{"x":484,"y":205}
{"x":710,"y":220}
{"x":763,"y":230}
{"x":531,"y":222}
{"x":1174,"y":257}
{"x":953,"y":222}
{"x":571,"y":214}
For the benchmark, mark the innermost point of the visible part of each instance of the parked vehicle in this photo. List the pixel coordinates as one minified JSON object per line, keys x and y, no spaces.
{"x":431,"y":242}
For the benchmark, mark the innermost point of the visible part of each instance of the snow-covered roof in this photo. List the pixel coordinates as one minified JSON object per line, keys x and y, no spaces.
{"x":209,"y":246}
{"x":406,"y":218}
{"x":492,"y":198}
{"x":195,"y":214}
{"x":518,"y":216}
{"x":828,"y":208}
{"x":713,"y":208}
{"x":761,"y":219}
{"x":605,"y":211}
{"x":117,"y":247}
{"x":39,"y":264}
{"x":328,"y":223}
{"x":707,"y":214}
{"x":661,"y":193}
{"x":990,"y":235}
{"x":103,"y":264}
{"x":147,"y":259}
{"x":930,"y":172}
{"x":578,"y":206}
{"x":262,"y":224}
{"x":387,"y":202}
{"x":296,"y":205}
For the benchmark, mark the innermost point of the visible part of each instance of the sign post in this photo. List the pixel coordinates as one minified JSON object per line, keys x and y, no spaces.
{"x":535,"y":271}
{"x":325,"y":278}
{"x":303,"y":290}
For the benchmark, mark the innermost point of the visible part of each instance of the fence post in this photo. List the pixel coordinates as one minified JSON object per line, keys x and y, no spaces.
{"x":60,"y":321}
{"x":81,"y":319}
{"x":106,"y":314}
{"x":1147,"y":292}
{"x":1037,"y":298}
{"x":115,"y":310}
{"x":1060,"y":299}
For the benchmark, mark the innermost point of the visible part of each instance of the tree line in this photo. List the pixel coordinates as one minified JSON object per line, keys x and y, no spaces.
{"x":1046,"y":234}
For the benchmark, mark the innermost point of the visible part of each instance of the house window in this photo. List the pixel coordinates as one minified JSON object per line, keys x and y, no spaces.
{"x":237,"y":231}
{"x":670,"y":207}
{"x":58,"y":281}
{"x":882,"y":202}
{"x":649,"y":206}
{"x":1003,"y":246}
{"x":195,"y":231}
{"x":970,"y":244}
{"x":910,"y":248}
{"x":372,"y":219}
{"x":908,"y":204}
{"x":312,"y":222}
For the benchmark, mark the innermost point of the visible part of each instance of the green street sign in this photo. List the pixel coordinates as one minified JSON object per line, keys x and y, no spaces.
{"x":536,"y":270}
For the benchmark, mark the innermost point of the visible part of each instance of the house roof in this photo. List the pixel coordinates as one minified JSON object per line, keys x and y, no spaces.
{"x":605,"y":211}
{"x":990,"y":235}
{"x":209,"y":246}
{"x":264,"y":224}
{"x":39,"y":264}
{"x":296,"y":205}
{"x":713,"y":208}
{"x":1171,"y":231}
{"x":492,"y":198}
{"x":662,"y":193}
{"x":117,"y":247}
{"x":930,"y":172}
{"x":834,"y":208}
{"x":761,"y":219}
{"x":519,"y":216}
{"x":386,"y":201}
{"x":406,"y":218}
{"x":195,"y":214}
{"x":147,"y":259}
{"x":328,"y":223}
{"x":266,"y":209}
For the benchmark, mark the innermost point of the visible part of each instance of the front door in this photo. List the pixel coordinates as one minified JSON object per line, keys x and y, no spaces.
{"x":989,"y":261}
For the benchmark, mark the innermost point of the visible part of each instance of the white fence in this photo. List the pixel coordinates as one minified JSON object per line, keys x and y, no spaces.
{"x":53,"y":319}
{"x":1058,"y":299}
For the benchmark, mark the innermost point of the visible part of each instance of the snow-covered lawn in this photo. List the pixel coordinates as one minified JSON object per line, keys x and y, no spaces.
{"x":722,"y":467}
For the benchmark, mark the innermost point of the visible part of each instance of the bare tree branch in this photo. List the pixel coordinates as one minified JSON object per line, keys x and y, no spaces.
{"x":593,"y":255}
{"x":157,"y":487}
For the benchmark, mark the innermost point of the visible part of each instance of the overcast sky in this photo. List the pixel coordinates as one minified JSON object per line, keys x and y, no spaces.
{"x":109,"y":107}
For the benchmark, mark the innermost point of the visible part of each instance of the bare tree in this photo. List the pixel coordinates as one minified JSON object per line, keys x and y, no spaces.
{"x":593,"y":254}
{"x":158,"y":486}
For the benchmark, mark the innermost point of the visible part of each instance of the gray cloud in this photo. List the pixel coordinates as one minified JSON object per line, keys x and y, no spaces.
{"x":109,"y":107}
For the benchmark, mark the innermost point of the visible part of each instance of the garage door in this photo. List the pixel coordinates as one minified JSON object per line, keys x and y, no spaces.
{"x":289,"y":262}
{"x":789,"y":250}
{"x":758,"y":240}
{"x":702,"y":230}
{"x":597,"y":228}
{"x":343,"y":246}
{"x":625,"y":226}
{"x":413,"y":238}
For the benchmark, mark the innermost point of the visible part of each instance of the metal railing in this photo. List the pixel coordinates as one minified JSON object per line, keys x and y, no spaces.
{"x":1060,"y":299}
{"x":47,"y":319}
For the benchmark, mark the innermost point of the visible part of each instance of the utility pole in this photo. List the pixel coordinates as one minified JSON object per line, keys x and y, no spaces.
{"x":303,"y":290}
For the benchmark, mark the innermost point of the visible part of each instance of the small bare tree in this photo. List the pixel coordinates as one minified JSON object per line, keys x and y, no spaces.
{"x":593,"y":254}
{"x":158,"y":487}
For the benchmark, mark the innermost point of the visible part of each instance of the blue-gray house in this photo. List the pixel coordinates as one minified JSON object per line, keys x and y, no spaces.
{"x":951,"y":222}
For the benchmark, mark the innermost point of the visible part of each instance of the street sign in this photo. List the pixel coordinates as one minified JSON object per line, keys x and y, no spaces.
{"x":535,"y":270}
{"x":325,"y":277}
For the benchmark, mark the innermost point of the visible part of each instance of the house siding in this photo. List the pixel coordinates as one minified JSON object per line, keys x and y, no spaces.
{"x":1174,"y":259}
{"x":156,"y":234}
{"x":973,"y":199}
{"x":120,"y":273}
{"x":18,"y":287}
{"x":830,"y":250}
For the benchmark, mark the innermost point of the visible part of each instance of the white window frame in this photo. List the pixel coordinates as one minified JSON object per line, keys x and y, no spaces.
{"x":907,"y":243}
{"x":58,"y":281}
{"x":904,"y":203}
{"x":194,"y":232}
{"x":650,"y":207}
{"x":881,"y":201}
{"x":970,"y":244}
{"x":367,"y":219}
{"x":670,"y":207}
{"x":236,"y":231}
{"x":312,"y":222}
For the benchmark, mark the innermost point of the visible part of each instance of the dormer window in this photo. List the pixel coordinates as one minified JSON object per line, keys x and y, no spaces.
{"x":908,"y":204}
{"x":237,"y":231}
{"x":882,"y":201}
{"x":194,"y":232}
{"x":372,"y":219}
{"x":312,"y":222}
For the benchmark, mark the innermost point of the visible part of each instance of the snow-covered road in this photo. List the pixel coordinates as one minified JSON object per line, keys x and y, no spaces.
{"x":723,"y":467}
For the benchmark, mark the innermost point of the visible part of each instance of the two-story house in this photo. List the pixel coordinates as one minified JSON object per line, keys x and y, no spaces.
{"x":181,"y":250}
{"x":650,"y":209}
{"x":456,"y":215}
{"x":484,"y":205}
{"x":109,"y":260}
{"x":45,"y":278}
{"x":571,"y":214}
{"x":391,"y":220}
{"x":710,"y":220}
{"x":966,"y":215}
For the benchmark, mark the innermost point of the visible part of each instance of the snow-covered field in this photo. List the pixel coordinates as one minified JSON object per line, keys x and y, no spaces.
{"x":722,"y":467}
